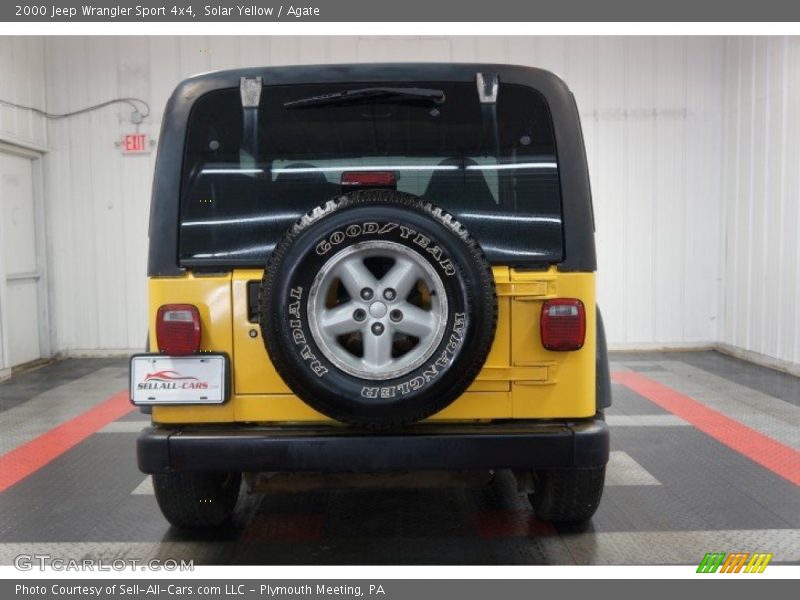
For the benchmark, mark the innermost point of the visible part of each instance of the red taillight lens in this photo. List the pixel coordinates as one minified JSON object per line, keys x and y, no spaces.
{"x":563,"y":324}
{"x":178,"y":329}
{"x":369,"y":179}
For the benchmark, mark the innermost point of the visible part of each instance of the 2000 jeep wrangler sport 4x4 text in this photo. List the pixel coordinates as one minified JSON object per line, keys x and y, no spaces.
{"x":362,"y":269}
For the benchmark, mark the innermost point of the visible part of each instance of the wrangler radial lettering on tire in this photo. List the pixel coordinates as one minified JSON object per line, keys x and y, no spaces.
{"x":378,"y":309}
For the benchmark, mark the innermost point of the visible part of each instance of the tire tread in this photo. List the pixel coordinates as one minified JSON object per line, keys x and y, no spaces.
{"x":567,"y":495}
{"x":196,"y":499}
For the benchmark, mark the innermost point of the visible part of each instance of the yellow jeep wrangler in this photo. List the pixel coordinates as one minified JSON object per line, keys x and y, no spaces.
{"x":360,"y":269}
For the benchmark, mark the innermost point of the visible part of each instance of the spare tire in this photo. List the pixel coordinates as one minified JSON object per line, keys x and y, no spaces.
{"x":378,"y":309}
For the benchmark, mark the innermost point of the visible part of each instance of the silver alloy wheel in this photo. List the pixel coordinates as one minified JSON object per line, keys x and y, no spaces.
{"x":378,"y":310}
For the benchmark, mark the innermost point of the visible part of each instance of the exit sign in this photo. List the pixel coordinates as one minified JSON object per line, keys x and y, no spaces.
{"x":135,"y":143}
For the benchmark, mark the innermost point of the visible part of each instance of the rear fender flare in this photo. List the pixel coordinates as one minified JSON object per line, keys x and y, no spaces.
{"x":603,"y":375}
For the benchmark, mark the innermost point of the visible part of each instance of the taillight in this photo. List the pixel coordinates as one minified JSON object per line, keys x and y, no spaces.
{"x":369,"y":179}
{"x":178,"y":329}
{"x":563,"y":324}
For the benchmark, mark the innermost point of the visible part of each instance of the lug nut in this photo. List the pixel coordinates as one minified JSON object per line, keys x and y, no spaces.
{"x":396,"y":316}
{"x":359,"y":314}
{"x":389,"y":294}
{"x":377,"y":328}
{"x":367,"y":294}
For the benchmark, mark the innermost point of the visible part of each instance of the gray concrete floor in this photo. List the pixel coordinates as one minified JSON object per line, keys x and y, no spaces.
{"x":674,"y":492}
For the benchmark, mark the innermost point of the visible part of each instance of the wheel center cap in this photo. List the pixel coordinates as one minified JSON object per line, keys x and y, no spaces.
{"x":377,"y":310}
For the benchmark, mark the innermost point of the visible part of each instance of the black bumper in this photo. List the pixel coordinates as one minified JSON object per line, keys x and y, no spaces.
{"x":520,"y":445}
{"x":524,"y":445}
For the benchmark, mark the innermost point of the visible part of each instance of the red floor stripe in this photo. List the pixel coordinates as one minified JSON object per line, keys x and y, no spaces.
{"x":28,"y":458}
{"x":511,"y":523}
{"x":782,"y":460}
{"x":287,"y":528}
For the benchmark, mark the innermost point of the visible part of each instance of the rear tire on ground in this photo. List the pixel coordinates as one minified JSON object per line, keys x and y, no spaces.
{"x":567,"y":495}
{"x":196,"y":499}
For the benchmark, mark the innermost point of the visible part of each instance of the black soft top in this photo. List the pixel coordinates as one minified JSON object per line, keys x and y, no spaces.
{"x":578,"y":223}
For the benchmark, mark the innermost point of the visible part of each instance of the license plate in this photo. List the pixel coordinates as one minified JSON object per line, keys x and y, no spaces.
{"x":157,"y":379}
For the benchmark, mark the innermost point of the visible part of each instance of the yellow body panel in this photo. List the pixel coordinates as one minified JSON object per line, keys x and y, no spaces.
{"x":520,"y":380}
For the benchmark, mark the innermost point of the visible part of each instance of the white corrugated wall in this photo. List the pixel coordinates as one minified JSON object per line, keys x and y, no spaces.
{"x":651,"y":109}
{"x":22,"y":81}
{"x":692,"y":146}
{"x":761,"y":195}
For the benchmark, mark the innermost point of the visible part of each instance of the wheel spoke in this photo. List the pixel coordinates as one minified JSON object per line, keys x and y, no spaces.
{"x":377,"y":349}
{"x":417,"y":322}
{"x":401,"y":277}
{"x":358,"y":336}
{"x":355,"y":277}
{"x":339,"y":320}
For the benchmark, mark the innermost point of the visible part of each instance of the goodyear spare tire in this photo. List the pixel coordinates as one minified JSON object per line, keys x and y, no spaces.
{"x":378,"y":309}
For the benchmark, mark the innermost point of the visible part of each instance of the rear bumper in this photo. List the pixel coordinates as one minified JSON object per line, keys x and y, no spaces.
{"x":518,"y":445}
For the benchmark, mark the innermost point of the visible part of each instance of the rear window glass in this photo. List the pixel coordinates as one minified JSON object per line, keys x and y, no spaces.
{"x":248,"y":174}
